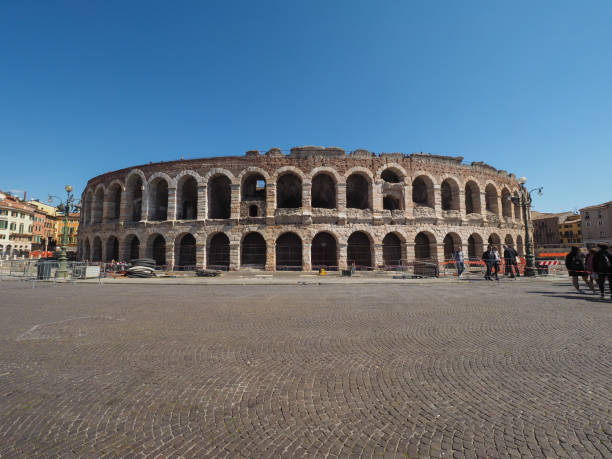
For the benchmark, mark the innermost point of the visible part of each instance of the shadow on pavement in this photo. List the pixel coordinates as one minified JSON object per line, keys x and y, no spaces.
{"x":595,"y":298}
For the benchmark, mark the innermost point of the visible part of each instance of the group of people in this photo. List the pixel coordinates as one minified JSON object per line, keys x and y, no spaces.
{"x":595,"y":266}
{"x":492,"y":261}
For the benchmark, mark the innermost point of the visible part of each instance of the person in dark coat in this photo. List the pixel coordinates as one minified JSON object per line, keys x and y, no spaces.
{"x":510,"y":257}
{"x":574,"y":262}
{"x":602,"y":266}
{"x":489,"y":258}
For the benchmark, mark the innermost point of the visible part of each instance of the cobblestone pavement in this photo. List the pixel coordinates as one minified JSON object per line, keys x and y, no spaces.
{"x":469,"y":369}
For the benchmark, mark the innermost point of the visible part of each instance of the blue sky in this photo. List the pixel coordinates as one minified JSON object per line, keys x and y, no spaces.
{"x":89,"y":87}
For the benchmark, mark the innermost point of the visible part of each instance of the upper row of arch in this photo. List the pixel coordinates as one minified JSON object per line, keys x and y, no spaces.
{"x":202,"y":180}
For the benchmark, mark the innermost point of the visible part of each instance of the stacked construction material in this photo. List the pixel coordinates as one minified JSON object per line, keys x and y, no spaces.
{"x":142,"y":267}
{"x":207,"y":273}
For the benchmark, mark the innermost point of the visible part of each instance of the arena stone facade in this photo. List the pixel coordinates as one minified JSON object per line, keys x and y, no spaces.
{"x":313,"y":207}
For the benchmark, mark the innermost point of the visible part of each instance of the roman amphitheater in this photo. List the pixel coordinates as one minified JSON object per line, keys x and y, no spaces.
{"x":315,"y":207}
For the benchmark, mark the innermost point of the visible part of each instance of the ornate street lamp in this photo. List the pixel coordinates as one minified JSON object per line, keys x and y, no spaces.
{"x":524,"y":201}
{"x":65,"y":207}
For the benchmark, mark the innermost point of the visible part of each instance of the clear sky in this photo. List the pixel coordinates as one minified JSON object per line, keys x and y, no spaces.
{"x":89,"y":87}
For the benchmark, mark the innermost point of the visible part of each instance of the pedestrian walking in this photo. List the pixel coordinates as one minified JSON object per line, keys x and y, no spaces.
{"x":602,"y":265}
{"x":496,"y":262}
{"x":574,"y":262}
{"x":459,"y":261}
{"x":588,"y":264}
{"x":488,"y":259}
{"x":512,"y":261}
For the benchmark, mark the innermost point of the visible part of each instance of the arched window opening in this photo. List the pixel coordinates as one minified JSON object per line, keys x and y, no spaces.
{"x":472,"y":198}
{"x":187,"y":253}
{"x":98,"y":205}
{"x":112,"y":249}
{"x":391,"y":203}
{"x":134,"y":198}
{"x":392,"y":251}
{"x":159,"y":250}
{"x":158,"y":198}
{"x":324,"y":252}
{"x":254,"y":188}
{"x":253,"y":251}
{"x":86,"y":251}
{"x":114,"y":198}
{"x":253,"y":211}
{"x":449,"y":195}
{"x":475,"y":248}
{"x":509,"y":241}
{"x":87,"y":208}
{"x":517,"y":209}
{"x":519,"y":245}
{"x":506,"y":203}
{"x":357,"y":192}
{"x":323,"y":192}
{"x":187,"y":199}
{"x":425,"y":256}
{"x":289,"y":192}
{"x":495,"y":241}
{"x":97,"y":250}
{"x":359,"y":251}
{"x":451,"y":243}
{"x":219,"y":197}
{"x":134,"y":248}
{"x":491,"y":199}
{"x":422,"y":192}
{"x":219,"y":252}
{"x":389,"y":176}
{"x":289,"y":252}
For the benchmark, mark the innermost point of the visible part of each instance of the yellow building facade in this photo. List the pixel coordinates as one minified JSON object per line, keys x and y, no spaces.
{"x":570,"y":230}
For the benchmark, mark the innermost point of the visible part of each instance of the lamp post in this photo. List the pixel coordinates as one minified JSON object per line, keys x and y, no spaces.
{"x":66,"y":207}
{"x":524,"y":201}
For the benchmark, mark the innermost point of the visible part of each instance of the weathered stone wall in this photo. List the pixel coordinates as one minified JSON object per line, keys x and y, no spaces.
{"x":305,"y":163}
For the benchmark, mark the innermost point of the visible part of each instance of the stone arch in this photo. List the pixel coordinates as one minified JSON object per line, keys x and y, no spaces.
{"x":218,"y":251}
{"x":288,"y":252}
{"x":188,"y":172}
{"x":359,"y":250}
{"x":134,"y":186}
{"x":253,"y":185}
{"x":113,"y":199}
{"x":187,"y":196}
{"x":288,"y":190}
{"x":86,"y":250}
{"x":324,"y":251}
{"x":156,"y":248}
{"x":87,"y":208}
{"x":508,"y":240}
{"x":519,"y":245}
{"x":323,"y":193}
{"x":98,"y":204}
{"x":472,"y":198}
{"x":475,"y":246}
{"x":394,"y":250}
{"x":449,"y":194}
{"x":220,"y":171}
{"x":285,"y":169}
{"x":451,"y":242}
{"x":96,"y":255}
{"x":494,"y":240}
{"x":359,"y":189}
{"x":131,"y":246}
{"x":506,"y":203}
{"x":158,"y":196}
{"x":253,"y":170}
{"x":185,"y":252}
{"x":333,"y":173}
{"x":397,"y":170}
{"x":423,"y":191}
{"x":491,"y":198}
{"x":219,"y":196}
{"x":112,"y":249}
{"x":517,"y":207}
{"x":253,"y":250}
{"x":425,"y":246}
